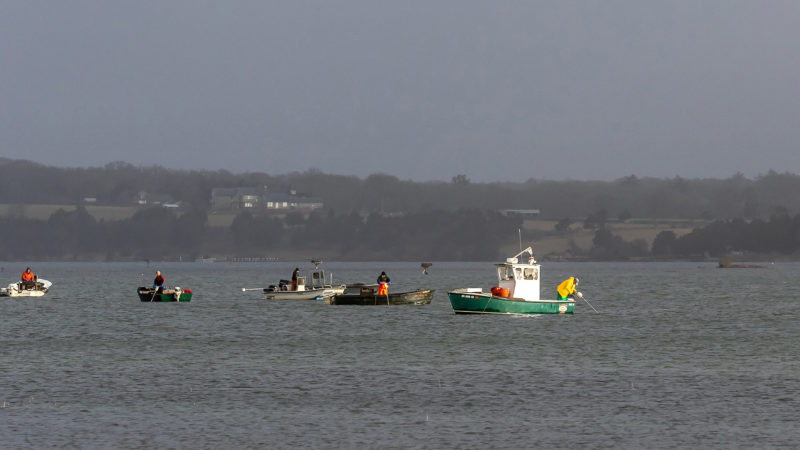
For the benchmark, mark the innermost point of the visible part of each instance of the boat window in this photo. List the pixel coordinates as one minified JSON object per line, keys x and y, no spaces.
{"x":531,"y":274}
{"x":505,"y":273}
{"x":519,"y":273}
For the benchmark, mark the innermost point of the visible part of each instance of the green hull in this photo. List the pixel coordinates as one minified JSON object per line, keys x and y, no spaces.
{"x":480,"y":303}
{"x":146,"y":295}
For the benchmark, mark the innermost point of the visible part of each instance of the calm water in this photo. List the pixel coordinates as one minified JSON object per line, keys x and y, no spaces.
{"x":680,"y":355}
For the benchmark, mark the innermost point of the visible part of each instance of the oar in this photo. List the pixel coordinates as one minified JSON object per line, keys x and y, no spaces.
{"x":155,"y":290}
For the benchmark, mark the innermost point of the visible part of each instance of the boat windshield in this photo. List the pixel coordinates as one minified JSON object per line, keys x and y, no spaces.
{"x":317,"y":278}
{"x":508,"y":272}
{"x":505,"y":273}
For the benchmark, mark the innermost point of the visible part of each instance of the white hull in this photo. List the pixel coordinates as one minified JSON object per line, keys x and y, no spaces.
{"x":13,"y":290}
{"x":311,"y":294}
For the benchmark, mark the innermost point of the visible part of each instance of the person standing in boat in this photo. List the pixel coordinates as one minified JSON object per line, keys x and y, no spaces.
{"x":383,"y":284}
{"x":28,"y":279}
{"x":567,"y":289}
{"x":158,"y":282}
{"x":295,"y":274}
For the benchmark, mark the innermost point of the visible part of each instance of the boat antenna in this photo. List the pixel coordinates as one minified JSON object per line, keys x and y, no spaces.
{"x":519,"y":230}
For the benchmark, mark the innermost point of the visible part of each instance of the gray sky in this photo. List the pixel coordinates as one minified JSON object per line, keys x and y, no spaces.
{"x":422,"y":90}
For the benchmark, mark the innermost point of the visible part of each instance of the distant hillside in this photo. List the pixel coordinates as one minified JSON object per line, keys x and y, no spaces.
{"x":93,"y":213}
{"x":119,"y":184}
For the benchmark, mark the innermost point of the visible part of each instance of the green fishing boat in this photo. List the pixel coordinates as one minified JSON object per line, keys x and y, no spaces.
{"x":517,"y":292}
{"x":177,"y":294}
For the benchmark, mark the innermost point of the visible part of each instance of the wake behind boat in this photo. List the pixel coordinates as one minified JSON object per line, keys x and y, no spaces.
{"x":317,"y":290}
{"x":36,"y":289}
{"x":517,"y":292}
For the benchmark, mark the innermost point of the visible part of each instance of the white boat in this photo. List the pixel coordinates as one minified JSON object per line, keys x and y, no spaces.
{"x":39,"y":288}
{"x":317,"y":290}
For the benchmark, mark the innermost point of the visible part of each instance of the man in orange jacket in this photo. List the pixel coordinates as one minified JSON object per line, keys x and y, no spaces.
{"x":383,"y":284}
{"x":28,"y":279}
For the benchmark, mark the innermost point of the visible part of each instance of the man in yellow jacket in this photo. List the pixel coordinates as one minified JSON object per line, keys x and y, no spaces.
{"x":567,"y":289}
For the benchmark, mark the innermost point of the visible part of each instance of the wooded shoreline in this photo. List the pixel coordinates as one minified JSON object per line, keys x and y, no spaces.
{"x":90,"y":214}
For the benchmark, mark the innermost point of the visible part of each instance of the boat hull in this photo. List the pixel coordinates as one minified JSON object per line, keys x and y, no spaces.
{"x":466,"y":302}
{"x":418,"y":297}
{"x":168,"y":295}
{"x":15,"y":289}
{"x":311,"y":294}
{"x":23,"y":293}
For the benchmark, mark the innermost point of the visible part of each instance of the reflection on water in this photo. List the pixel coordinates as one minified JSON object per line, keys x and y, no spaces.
{"x":680,"y":355}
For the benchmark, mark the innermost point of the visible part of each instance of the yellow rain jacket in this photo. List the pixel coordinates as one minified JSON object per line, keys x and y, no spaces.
{"x":566,"y":288}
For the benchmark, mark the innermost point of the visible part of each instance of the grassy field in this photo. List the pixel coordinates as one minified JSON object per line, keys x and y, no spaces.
{"x":107,"y":213}
{"x":223,"y":220}
{"x":43,"y":212}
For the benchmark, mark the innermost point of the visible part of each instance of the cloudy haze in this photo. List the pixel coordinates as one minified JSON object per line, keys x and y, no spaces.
{"x":420,"y":90}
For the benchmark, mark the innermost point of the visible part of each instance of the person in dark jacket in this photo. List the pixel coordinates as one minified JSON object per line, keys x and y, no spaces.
{"x":158,"y":282}
{"x":383,"y":282}
{"x":295,"y":274}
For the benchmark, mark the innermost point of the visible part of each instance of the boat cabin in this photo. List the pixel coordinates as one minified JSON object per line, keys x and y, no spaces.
{"x":317,"y":281}
{"x":520,"y":279}
{"x":317,"y":278}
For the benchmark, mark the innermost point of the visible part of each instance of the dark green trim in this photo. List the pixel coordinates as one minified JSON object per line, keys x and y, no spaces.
{"x":466,"y":303}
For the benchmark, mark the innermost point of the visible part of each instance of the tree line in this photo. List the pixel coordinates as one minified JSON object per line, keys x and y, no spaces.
{"x":779,"y":236}
{"x":461,"y":235}
{"x":382,"y":217}
{"x":119,"y":183}
{"x":160,"y":233}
